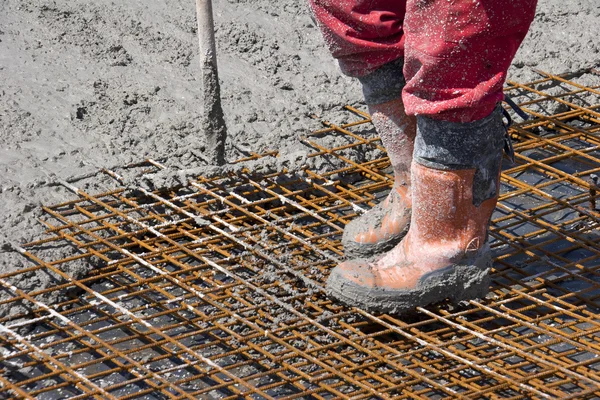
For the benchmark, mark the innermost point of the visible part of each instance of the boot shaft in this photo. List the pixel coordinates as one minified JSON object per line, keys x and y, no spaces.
{"x":444,"y":214}
{"x":397,"y":132}
{"x":455,"y":181}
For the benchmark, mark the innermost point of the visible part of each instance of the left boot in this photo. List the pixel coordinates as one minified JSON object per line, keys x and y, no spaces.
{"x":383,"y":226}
{"x":455,"y":180}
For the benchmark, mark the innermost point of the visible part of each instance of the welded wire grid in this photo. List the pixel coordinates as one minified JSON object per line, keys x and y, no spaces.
{"x":214,"y":289}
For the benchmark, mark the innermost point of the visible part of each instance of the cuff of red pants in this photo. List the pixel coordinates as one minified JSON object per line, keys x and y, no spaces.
{"x":384,"y":84}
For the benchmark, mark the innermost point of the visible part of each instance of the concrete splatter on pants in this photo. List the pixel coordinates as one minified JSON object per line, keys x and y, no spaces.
{"x":447,"y":58}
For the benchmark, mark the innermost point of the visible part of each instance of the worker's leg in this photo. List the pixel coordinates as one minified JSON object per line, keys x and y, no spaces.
{"x":457,"y":53}
{"x":456,"y":63}
{"x":366,"y":38}
{"x":383,"y":226}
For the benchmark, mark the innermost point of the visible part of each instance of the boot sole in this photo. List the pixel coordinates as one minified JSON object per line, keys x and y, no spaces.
{"x":463,"y":281}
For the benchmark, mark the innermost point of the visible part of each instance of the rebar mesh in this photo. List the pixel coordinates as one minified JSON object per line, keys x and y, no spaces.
{"x":214,"y":289}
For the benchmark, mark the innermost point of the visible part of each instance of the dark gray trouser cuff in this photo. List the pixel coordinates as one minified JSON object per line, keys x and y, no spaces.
{"x":472,"y":145}
{"x":385,"y":83}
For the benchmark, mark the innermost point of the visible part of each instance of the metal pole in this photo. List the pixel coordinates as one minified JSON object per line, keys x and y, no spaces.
{"x":213,"y":122}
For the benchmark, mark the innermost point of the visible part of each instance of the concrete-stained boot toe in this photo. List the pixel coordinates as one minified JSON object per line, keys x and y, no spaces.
{"x":379,"y":229}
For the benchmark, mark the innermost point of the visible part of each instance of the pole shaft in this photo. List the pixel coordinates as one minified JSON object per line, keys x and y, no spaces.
{"x":213,"y":122}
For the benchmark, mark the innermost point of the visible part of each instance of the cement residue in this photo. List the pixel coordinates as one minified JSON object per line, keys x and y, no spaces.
{"x":293,"y":162}
{"x":89,"y":84}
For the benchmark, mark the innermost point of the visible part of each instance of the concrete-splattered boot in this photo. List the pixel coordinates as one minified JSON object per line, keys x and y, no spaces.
{"x":382,"y":227}
{"x":455,"y":180}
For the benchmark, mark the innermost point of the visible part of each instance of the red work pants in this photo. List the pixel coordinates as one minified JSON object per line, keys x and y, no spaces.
{"x":456,"y":52}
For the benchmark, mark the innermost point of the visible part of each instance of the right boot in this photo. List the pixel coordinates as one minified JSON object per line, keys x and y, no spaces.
{"x":382,"y":227}
{"x":455,"y":186}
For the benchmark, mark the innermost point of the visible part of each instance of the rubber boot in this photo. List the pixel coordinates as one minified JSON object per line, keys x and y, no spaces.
{"x":455,"y":181}
{"x":382,"y":227}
